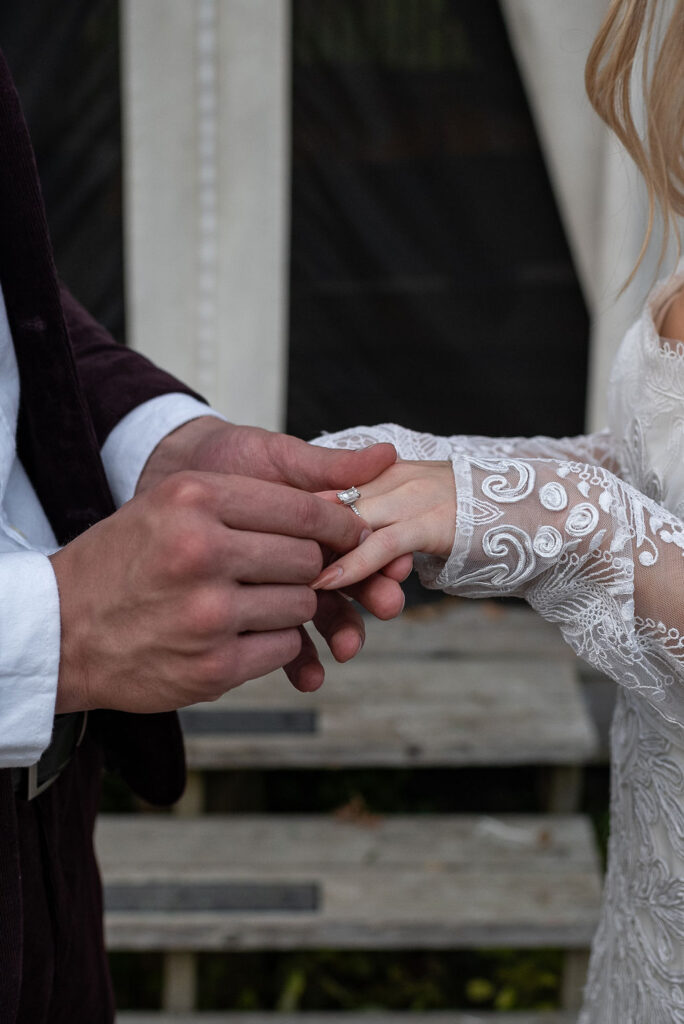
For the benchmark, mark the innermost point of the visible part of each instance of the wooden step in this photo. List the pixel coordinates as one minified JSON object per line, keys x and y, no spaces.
{"x":456,"y":627}
{"x":397,"y":712}
{"x":453,"y":684}
{"x":261,"y":882}
{"x":451,"y":1017}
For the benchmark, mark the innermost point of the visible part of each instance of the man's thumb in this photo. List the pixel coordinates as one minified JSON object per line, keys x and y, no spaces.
{"x":338,"y":468}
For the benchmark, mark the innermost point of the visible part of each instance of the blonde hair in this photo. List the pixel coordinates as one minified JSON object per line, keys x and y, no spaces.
{"x":630,"y":31}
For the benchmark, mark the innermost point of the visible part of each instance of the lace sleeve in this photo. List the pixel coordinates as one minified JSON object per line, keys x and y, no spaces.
{"x":597,"y":449}
{"x":587,"y":551}
{"x":539,"y":520}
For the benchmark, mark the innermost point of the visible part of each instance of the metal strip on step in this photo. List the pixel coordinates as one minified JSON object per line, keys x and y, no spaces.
{"x":242,"y":897}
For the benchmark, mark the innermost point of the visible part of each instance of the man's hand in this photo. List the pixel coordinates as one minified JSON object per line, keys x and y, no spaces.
{"x":190,"y":589}
{"x":210,"y":444}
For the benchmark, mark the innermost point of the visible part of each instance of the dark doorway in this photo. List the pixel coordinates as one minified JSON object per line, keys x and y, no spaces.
{"x":431,"y":282}
{"x":65,"y":61}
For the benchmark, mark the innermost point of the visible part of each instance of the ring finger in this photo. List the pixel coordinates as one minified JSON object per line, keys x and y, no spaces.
{"x":267,"y":558}
{"x":273,"y":606}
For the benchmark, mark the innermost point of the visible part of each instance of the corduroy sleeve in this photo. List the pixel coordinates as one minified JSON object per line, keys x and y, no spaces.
{"x":114,"y":379}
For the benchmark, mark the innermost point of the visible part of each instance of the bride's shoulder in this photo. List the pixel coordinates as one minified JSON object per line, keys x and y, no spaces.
{"x":672,"y":323}
{"x":648,"y":364}
{"x":663,"y":318}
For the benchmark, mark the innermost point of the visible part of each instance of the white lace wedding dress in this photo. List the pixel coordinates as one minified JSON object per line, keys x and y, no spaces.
{"x":590,"y":531}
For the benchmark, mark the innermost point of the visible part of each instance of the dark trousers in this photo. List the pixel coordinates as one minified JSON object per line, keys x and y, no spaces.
{"x":65,"y":977}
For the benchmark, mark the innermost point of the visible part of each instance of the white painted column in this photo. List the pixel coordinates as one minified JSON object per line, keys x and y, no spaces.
{"x":206,"y":178}
{"x":551,"y":40}
{"x":600,"y":196}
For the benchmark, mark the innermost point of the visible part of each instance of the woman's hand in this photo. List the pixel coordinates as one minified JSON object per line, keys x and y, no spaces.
{"x":410,"y":507}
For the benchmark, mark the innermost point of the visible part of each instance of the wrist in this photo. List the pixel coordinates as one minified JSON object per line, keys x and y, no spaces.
{"x":72,"y":682}
{"x":440,"y":573}
{"x":179,"y":449}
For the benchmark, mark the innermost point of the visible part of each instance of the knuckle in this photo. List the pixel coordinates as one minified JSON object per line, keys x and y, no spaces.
{"x":190,"y":552}
{"x":208,"y":613}
{"x":312,"y":559}
{"x":186,"y":489}
{"x":292,"y":641}
{"x":385,"y":542}
{"x":295,"y":605}
{"x":213,"y":675}
{"x":412,"y":486}
{"x":307,"y":515}
{"x":308,"y":603}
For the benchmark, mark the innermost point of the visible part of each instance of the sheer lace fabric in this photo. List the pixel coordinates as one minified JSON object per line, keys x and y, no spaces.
{"x":590,"y":532}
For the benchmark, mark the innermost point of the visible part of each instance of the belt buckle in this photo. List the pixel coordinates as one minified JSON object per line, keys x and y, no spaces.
{"x":33,"y":787}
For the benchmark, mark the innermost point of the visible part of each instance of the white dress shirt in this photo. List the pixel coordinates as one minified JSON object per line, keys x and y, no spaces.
{"x":29,"y":601}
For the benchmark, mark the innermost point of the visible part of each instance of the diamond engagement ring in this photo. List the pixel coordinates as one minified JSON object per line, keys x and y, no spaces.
{"x":348,"y":498}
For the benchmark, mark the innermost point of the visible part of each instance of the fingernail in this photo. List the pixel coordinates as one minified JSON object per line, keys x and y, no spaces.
{"x":365,"y":534}
{"x":357,"y":650}
{"x":333,"y":572}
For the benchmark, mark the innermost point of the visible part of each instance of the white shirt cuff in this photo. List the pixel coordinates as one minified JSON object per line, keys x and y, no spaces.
{"x":135,"y":437}
{"x":29,"y":656}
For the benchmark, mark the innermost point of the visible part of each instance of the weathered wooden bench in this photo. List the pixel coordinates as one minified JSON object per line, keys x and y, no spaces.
{"x":293,"y":882}
{"x":553,"y":1017}
{"x":454,"y":627}
{"x":448,"y":687}
{"x":398,"y":712}
{"x":452,"y":685}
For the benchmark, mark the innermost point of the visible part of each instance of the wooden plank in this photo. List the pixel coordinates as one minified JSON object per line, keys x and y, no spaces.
{"x":159,"y":846}
{"x":179,"y":984}
{"x":401,"y":1017}
{"x":460,"y":627}
{"x":403,"y":711}
{"x":398,"y":882}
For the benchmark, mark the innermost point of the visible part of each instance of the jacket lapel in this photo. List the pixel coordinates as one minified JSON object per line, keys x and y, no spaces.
{"x":55,"y":437}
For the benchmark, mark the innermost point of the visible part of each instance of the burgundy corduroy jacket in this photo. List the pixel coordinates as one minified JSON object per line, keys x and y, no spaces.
{"x":76,"y":384}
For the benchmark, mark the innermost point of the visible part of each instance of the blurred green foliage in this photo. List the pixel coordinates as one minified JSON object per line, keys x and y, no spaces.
{"x":360,"y":980}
